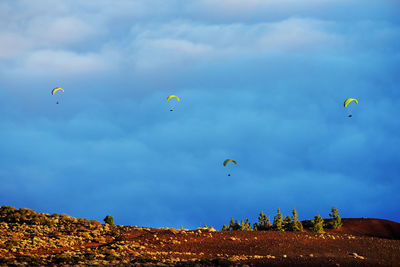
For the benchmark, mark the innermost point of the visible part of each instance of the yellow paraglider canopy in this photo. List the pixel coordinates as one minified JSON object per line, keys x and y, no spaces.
{"x":56,"y":89}
{"x":229,"y":160}
{"x":349,"y":100}
{"x":171,"y":96}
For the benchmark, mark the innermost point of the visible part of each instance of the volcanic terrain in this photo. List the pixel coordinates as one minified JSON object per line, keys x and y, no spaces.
{"x":30,"y":238}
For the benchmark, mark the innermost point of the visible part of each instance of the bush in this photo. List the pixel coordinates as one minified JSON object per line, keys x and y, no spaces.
{"x":63,"y":258}
{"x":235,"y":226}
{"x":109,"y":220}
{"x":223,"y":262}
{"x":9,"y":244}
{"x":30,"y":259}
{"x":90,"y":255}
{"x":143,"y":260}
{"x":318,"y":224}
{"x":111,"y":257}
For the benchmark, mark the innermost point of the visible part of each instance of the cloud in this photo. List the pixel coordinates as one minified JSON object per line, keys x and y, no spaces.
{"x":165,"y":53}
{"x":56,"y":31}
{"x":181,"y":45}
{"x":261,"y":82}
{"x":48,"y":61}
{"x":231,"y":11}
{"x":12,"y":45}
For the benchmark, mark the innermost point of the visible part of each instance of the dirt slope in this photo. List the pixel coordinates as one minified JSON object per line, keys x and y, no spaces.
{"x":370,"y":227}
{"x":28,"y":238}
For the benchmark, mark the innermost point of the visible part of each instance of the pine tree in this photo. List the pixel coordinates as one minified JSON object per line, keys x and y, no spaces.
{"x":295,"y":224}
{"x":234,"y":225}
{"x":245,"y":226}
{"x":336,"y":220}
{"x":109,"y":220}
{"x":278,"y":224}
{"x":263,"y":223}
{"x":318,"y":224}
{"x":225,"y":228}
{"x":286,"y":222}
{"x":255,"y":226}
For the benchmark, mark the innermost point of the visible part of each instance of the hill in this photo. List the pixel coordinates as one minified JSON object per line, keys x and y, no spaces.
{"x":30,"y":238}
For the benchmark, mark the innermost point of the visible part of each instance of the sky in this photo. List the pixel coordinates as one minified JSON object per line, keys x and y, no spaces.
{"x":260,"y":81}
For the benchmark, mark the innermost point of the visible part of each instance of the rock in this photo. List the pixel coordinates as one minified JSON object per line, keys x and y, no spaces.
{"x":174,"y":231}
{"x":355,"y":255}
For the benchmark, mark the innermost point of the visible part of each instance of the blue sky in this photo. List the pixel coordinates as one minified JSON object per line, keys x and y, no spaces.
{"x":262,"y":82}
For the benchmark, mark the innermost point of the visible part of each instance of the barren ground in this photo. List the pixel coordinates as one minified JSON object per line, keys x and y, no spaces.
{"x":66,"y":240}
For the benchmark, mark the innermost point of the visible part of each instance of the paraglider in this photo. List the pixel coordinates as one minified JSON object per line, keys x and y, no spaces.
{"x":172,"y":96}
{"x":227,"y":161}
{"x":347,"y":102}
{"x":55,"y":90}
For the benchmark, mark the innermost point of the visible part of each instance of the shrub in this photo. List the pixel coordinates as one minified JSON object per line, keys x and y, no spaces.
{"x":143,"y":260}
{"x":235,"y":226}
{"x":111,"y":257}
{"x":223,"y":262}
{"x":90,"y":255}
{"x":63,"y":258}
{"x":109,"y":220}
{"x":30,"y":259}
{"x":9,"y":244}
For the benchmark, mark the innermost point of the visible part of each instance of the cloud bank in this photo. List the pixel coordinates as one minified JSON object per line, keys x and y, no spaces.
{"x":261,"y":82}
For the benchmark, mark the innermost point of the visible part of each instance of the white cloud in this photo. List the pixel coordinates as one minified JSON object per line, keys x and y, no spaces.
{"x":179,"y":43}
{"x":50,"y":31}
{"x":12,"y":45}
{"x":298,"y":35}
{"x":168,"y":52}
{"x":60,"y":61}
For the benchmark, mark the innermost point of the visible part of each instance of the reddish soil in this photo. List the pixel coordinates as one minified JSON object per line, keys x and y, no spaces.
{"x":360,"y":242}
{"x":370,"y":227}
